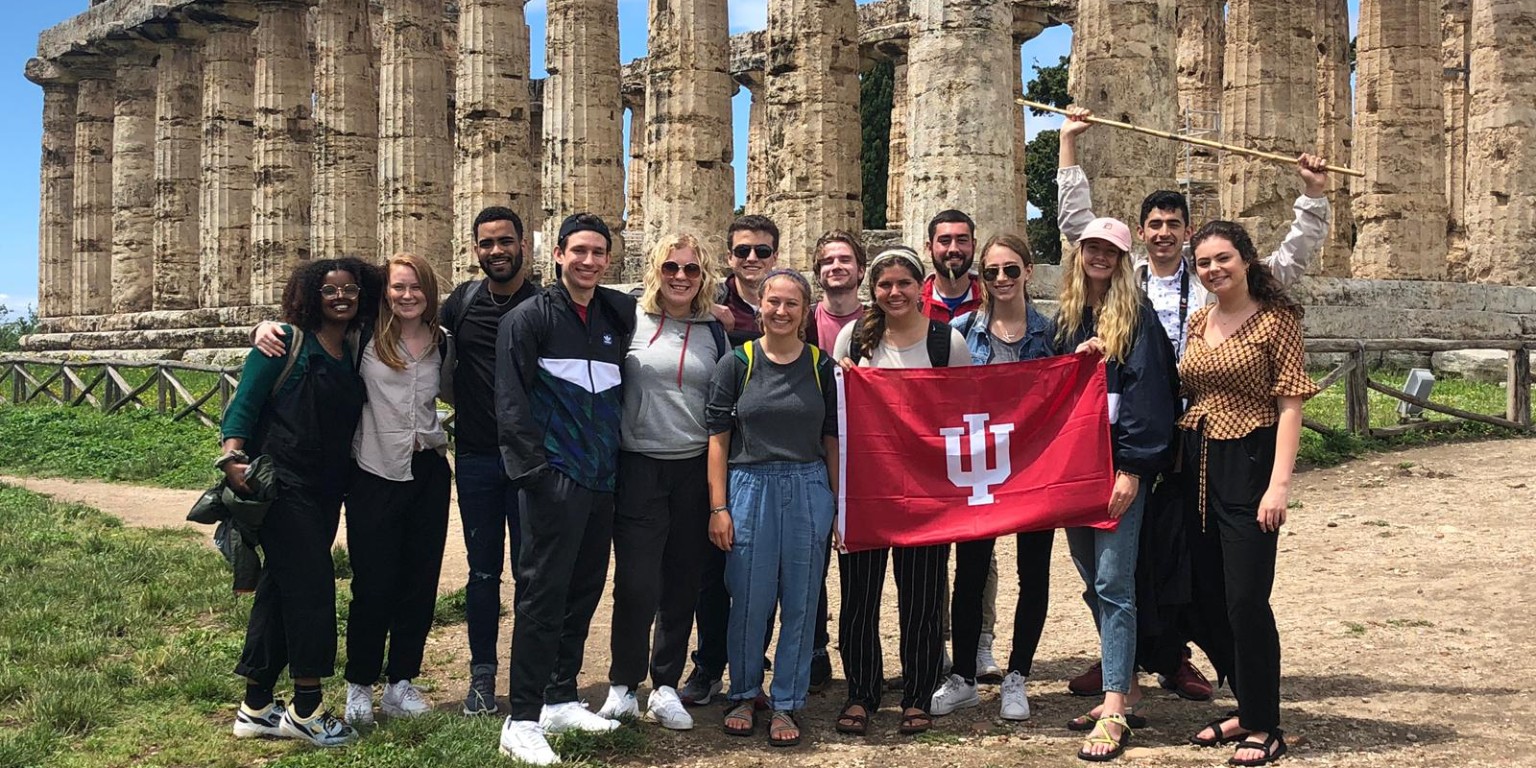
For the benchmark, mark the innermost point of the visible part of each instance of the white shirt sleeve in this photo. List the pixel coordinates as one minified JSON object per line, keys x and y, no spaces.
{"x":1289,"y":262}
{"x":1074,"y":202}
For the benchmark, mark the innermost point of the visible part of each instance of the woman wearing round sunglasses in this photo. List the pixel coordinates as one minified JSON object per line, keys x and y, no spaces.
{"x":1005,"y":329}
{"x":661,"y":513}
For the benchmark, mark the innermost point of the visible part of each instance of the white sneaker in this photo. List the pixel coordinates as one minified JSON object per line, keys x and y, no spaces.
{"x":620,"y":704}
{"x":402,"y":699}
{"x":945,"y":663}
{"x":1015,"y":697}
{"x":359,"y":709}
{"x":524,"y":740}
{"x":321,"y":729}
{"x":665,"y":709}
{"x":572,"y":716}
{"x":265,"y":723}
{"x":954,"y":694}
{"x":987,"y":670}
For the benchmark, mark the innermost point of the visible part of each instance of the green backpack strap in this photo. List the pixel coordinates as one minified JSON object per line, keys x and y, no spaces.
{"x":748,"y":354}
{"x":816,"y":366}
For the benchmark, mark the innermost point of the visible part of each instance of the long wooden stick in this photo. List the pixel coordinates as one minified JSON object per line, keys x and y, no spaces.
{"x":1189,"y":139}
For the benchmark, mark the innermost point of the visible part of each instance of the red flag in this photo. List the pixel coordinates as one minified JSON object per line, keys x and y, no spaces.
{"x":940,"y":455}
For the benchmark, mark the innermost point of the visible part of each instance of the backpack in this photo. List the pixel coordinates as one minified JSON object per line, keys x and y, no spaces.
{"x":475,"y":286}
{"x":747,"y":354}
{"x":939,"y":342}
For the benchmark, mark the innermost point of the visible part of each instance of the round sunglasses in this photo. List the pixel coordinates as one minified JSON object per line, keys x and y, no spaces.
{"x":1013,"y":271}
{"x":690,"y":270}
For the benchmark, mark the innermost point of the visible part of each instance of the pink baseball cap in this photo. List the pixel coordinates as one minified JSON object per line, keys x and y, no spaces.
{"x":1112,"y":231}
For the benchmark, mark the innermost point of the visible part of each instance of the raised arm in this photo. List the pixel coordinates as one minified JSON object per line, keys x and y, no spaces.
{"x":1309,"y":226}
{"x":1074,"y":201}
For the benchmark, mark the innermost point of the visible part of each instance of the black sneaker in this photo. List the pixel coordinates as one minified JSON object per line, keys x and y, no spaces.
{"x":699,"y":689}
{"x":821,"y":670}
{"x":481,"y":698}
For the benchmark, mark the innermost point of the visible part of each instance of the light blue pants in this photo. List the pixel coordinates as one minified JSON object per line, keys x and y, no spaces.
{"x":1107,"y":562}
{"x":782,"y":513}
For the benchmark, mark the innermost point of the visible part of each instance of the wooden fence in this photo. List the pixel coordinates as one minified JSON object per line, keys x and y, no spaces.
{"x":189,"y":390}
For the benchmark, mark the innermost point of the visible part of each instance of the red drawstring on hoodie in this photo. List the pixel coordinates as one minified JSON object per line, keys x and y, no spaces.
{"x":681,"y":356}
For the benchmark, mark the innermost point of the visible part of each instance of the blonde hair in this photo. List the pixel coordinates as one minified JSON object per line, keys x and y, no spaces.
{"x":386,"y":341}
{"x":709,"y":279}
{"x":1115,"y":319}
{"x":805,"y":292}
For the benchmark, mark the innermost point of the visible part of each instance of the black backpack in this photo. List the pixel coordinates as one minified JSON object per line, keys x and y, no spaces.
{"x":939,"y":342}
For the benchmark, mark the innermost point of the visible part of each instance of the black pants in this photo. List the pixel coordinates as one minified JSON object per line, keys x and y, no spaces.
{"x":660,"y":531}
{"x":293,"y":613}
{"x":395,"y":536}
{"x":1162,"y":580}
{"x":1233,"y":566}
{"x":488,"y":507}
{"x":972,"y":562}
{"x":567,"y":531}
{"x":920,"y":584}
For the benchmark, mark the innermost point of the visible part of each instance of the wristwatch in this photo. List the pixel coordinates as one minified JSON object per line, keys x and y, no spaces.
{"x":719,"y":509}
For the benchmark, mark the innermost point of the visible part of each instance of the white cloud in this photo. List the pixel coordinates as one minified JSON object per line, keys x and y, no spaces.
{"x":17,"y":304}
{"x":748,"y":15}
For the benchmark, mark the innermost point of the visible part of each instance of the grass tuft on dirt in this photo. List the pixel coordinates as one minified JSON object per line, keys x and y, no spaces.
{"x":137,"y":447}
{"x":1327,"y":408}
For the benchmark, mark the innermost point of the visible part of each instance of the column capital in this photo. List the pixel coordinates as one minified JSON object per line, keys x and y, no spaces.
{"x":50,"y":73}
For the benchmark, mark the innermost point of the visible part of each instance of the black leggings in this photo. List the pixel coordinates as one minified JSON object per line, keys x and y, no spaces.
{"x":972,"y":561}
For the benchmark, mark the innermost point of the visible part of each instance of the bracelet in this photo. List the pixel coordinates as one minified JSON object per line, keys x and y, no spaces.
{"x":719,"y":509}
{"x":231,"y":456}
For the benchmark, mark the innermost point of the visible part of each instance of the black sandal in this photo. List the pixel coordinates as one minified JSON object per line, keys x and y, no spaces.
{"x":777,"y":726}
{"x":856,"y":725}
{"x":1222,"y":737}
{"x":741,"y":710}
{"x":1273,"y":748}
{"x":915,"y":723}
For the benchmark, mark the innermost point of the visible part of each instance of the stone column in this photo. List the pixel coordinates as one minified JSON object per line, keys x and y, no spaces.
{"x":415,"y":166}
{"x":812,"y":83}
{"x":282,"y":156}
{"x":55,"y":241}
{"x":1020,"y":142}
{"x":757,"y":142}
{"x":583,"y":120}
{"x":1456,"y":34}
{"x":178,"y":147}
{"x":493,"y":160}
{"x":689,"y":181}
{"x":533,"y":221}
{"x":896,"y":162}
{"x":225,"y":204}
{"x":92,"y":231}
{"x":1269,"y":103}
{"x":133,"y":180}
{"x":1401,"y":201}
{"x":1335,"y":133}
{"x":346,"y":175}
{"x":1501,"y":139}
{"x":1202,"y":38}
{"x":1130,"y":83}
{"x":634,"y":179}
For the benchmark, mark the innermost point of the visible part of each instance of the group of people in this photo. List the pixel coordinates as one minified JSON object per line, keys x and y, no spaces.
{"x":590,"y":421}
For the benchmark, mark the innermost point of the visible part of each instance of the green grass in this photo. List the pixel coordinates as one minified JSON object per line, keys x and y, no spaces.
{"x":138,"y":446}
{"x":116,"y":646}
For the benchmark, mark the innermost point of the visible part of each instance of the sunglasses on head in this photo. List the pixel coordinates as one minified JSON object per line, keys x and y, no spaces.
{"x":763,"y":252}
{"x":350,"y":290}
{"x":689,"y":270}
{"x":1013,"y":271}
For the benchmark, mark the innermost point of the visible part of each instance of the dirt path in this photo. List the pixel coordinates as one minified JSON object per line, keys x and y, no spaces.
{"x":1402,"y":599}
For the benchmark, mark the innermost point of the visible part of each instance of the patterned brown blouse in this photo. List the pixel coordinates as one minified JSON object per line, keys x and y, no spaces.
{"x":1232,"y":388}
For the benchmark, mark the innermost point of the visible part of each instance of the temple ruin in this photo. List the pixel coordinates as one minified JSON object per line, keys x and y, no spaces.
{"x":194,"y":151}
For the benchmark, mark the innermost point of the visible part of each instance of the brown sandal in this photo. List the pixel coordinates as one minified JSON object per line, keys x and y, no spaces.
{"x":781,"y":723}
{"x":913,"y":723}
{"x":853,"y":724}
{"x":741,"y":710}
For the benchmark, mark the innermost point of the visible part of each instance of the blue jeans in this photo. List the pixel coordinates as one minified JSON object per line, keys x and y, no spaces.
{"x":489,"y":509}
{"x":782,"y":514}
{"x":1107,"y":562}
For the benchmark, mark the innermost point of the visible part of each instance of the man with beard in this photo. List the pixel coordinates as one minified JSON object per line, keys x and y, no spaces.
{"x":951,"y":290}
{"x":754,"y":252}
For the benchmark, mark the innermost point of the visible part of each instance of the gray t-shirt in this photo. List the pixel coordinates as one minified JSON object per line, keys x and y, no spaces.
{"x":782,"y":415}
{"x":666,"y":383}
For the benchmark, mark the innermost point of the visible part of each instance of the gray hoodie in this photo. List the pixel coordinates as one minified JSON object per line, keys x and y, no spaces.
{"x":666,"y":383}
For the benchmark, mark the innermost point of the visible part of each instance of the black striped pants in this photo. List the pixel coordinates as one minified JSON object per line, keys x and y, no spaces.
{"x":920,"y":586}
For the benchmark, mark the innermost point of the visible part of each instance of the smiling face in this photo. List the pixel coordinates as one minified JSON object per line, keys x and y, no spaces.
{"x":1164,"y":232}
{"x":1220,"y":267}
{"x":896,"y":289}
{"x":752,"y":255}
{"x":1099,"y":259}
{"x":838,"y":268}
{"x":952,"y":248}
{"x":407,"y":299}
{"x":677,"y":286}
{"x":499,"y":250}
{"x":583,"y":260}
{"x":1004,"y":260}
{"x":784,"y":308}
{"x":338,"y":296}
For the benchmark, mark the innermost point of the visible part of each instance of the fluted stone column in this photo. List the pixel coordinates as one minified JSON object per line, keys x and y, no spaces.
{"x":346,"y":176}
{"x":689,"y":182}
{"x":493,"y":159}
{"x":1401,"y":201}
{"x":282,"y":156}
{"x":583,"y":120}
{"x":92,"y":277}
{"x":533,"y":221}
{"x":1335,"y":133}
{"x":757,"y":142}
{"x":1020,"y":142}
{"x":1455,"y":46}
{"x":1133,"y":84}
{"x":225,"y":203}
{"x":133,"y":180}
{"x":1202,"y":37}
{"x":178,"y":149}
{"x":415,"y":165}
{"x":634,"y":179}
{"x":896,"y":162}
{"x":1269,"y":103}
{"x":812,"y":84}
{"x":55,"y":241}
{"x":1501,"y":138}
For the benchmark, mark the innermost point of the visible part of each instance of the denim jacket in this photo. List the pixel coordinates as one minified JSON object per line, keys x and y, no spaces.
{"x":973,"y":326}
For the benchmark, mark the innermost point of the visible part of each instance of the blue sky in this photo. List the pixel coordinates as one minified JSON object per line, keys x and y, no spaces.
{"x":21,"y":126}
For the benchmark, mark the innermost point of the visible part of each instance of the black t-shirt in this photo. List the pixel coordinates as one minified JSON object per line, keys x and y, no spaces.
{"x":475,"y":346}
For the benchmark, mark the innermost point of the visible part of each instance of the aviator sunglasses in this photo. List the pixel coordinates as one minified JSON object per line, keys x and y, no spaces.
{"x":690,"y":270}
{"x":763,"y":252}
{"x":1013,"y":271}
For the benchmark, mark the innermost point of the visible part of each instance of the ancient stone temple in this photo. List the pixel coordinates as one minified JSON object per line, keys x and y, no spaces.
{"x":195,"y":151}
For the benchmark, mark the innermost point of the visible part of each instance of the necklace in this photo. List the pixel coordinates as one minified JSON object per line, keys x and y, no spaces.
{"x":499,"y":303}
{"x":1002,"y":330}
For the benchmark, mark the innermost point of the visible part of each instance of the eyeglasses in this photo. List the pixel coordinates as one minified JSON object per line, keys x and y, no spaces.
{"x":350,"y":290}
{"x":1013,"y":271}
{"x":690,"y":270}
{"x":763,"y":252}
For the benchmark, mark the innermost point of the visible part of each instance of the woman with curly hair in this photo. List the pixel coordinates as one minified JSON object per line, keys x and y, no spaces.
{"x":1102,"y":309}
{"x":300,"y":410}
{"x":1243,"y":371}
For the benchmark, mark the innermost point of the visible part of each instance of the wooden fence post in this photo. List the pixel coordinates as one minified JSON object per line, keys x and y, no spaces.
{"x":18,"y":384}
{"x":162,"y":389}
{"x":1357,"y":402}
{"x":1518,"y":395}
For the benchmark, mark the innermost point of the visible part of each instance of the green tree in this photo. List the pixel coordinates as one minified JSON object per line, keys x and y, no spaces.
{"x":876,"y":89}
{"x":13,"y":326}
{"x":1049,"y":86}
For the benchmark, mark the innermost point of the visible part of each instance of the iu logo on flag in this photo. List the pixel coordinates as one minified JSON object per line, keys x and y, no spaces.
{"x":981,"y":476}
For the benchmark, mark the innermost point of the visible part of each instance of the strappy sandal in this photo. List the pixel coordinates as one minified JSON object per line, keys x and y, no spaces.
{"x":915,"y":722}
{"x":852,"y":724}
{"x":1100,"y":735}
{"x":1086,"y":721}
{"x":782,"y":722}
{"x":1273,"y":748}
{"x":741,"y":710}
{"x":1222,"y":737}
